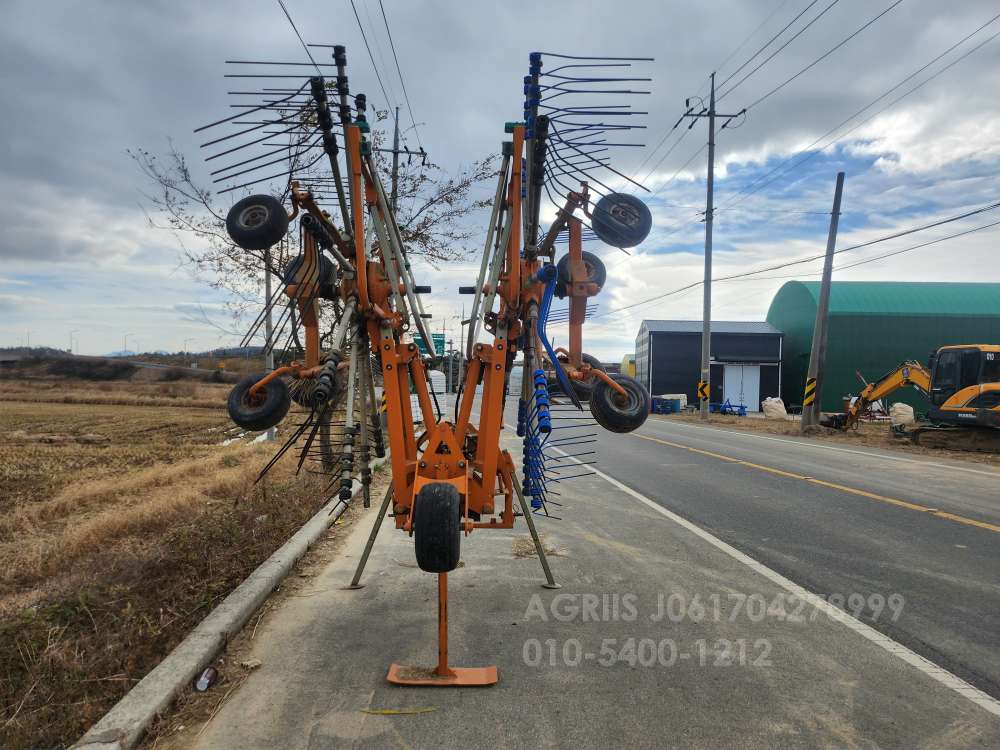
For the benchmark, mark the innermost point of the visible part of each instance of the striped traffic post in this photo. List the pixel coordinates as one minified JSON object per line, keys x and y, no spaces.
{"x":809,"y":395}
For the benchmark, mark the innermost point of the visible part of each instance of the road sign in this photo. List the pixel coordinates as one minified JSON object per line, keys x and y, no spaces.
{"x":438,"y":339}
{"x":703,"y":390}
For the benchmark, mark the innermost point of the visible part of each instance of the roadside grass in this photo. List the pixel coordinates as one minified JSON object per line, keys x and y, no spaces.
{"x":115,"y":393}
{"x":867,"y":435}
{"x":111,"y":551}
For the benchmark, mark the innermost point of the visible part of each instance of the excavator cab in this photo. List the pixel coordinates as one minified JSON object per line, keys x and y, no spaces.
{"x":964,"y":380}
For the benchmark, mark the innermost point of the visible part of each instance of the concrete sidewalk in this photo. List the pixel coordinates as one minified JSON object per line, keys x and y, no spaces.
{"x":734,"y":662}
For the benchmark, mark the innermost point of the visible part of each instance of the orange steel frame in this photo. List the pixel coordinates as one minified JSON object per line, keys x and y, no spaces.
{"x":462,"y":454}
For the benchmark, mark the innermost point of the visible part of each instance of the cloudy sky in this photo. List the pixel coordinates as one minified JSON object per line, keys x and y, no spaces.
{"x":84,"y":82}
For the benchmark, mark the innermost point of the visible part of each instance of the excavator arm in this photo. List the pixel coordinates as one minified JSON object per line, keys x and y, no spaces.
{"x":910,"y":373}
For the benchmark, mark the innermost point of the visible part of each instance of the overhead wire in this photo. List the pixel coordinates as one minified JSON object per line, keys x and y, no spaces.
{"x":736,"y":50}
{"x":399,"y":71}
{"x":288,"y":15}
{"x":826,"y":54}
{"x":894,"y":252}
{"x":749,"y":190}
{"x":787,"y":264}
{"x":751,"y":35}
{"x":371,"y":57}
{"x":766,"y":44}
{"x":379,"y":51}
{"x":774,"y":54}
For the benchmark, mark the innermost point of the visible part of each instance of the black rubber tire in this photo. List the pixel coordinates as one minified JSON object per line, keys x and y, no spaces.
{"x":263,"y":413}
{"x":327,"y":276}
{"x":437,"y":530}
{"x":585,"y":388}
{"x":621,"y":220}
{"x":616,"y":414}
{"x":257,"y":222}
{"x":596,"y":272}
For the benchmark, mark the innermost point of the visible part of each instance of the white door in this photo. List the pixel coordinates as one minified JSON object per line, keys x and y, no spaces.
{"x":741,"y":385}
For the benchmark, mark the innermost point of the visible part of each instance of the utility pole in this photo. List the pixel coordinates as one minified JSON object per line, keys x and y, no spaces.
{"x":461,"y":353}
{"x":396,"y":151}
{"x":817,"y":353}
{"x":704,"y":385}
{"x":268,"y":323}
{"x":395,"y":161}
{"x":449,"y":378}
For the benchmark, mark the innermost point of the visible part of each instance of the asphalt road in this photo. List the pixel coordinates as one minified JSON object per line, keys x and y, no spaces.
{"x":836,"y":542}
{"x":662,"y":636}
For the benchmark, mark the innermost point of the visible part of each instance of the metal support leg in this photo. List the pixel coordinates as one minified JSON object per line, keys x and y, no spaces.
{"x":443,"y":675}
{"x":355,"y":582}
{"x":550,"y":582}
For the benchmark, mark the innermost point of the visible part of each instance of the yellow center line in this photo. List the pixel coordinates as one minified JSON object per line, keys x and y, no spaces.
{"x":831,"y":485}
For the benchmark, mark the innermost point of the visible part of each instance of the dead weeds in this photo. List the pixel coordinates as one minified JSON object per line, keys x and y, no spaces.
{"x":111,"y":551}
{"x":868,"y":435}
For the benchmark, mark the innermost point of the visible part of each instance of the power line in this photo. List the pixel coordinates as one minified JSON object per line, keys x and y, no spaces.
{"x":288,"y":15}
{"x":787,"y":264}
{"x":766,"y":44}
{"x":826,"y":54}
{"x":399,"y":71}
{"x":749,"y":190}
{"x":933,"y":224}
{"x":664,"y":158}
{"x":770,"y":57}
{"x":666,"y":134}
{"x":378,"y":47}
{"x":751,"y":35}
{"x":895,"y":252}
{"x":371,"y":57}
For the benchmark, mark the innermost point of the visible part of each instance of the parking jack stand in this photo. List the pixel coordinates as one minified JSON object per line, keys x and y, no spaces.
{"x":443,"y":675}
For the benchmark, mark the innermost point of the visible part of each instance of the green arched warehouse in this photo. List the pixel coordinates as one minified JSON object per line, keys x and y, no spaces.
{"x":875,"y":325}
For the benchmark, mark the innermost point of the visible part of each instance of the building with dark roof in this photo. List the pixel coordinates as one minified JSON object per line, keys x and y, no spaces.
{"x":876,"y":325}
{"x":745,"y":360}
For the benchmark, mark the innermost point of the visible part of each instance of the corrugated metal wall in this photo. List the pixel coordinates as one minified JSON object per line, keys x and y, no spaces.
{"x":874,"y":327}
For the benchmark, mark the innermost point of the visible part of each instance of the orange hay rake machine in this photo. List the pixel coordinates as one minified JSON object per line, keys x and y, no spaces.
{"x":452,"y":475}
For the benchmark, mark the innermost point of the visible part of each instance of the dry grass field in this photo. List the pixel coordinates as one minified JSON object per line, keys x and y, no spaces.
{"x":123,"y":519}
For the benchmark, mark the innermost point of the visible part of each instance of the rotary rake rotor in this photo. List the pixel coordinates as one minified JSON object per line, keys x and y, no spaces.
{"x":354,"y":313}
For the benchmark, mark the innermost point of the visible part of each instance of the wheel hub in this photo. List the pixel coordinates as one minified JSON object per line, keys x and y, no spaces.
{"x":253,"y":216}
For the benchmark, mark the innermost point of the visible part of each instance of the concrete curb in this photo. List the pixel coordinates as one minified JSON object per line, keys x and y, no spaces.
{"x":123,"y":726}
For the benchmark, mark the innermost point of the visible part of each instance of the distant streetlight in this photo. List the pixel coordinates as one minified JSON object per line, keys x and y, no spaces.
{"x":125,"y":342}
{"x":75,"y":330}
{"x":186,"y":345}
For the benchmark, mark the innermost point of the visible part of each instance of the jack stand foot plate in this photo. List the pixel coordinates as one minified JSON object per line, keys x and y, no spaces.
{"x":401,"y":674}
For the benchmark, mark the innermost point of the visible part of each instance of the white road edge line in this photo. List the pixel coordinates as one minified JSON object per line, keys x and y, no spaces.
{"x":929,"y":668}
{"x":992,"y":474}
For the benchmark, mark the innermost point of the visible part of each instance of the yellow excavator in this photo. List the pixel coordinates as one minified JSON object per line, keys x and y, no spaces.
{"x":962,"y":383}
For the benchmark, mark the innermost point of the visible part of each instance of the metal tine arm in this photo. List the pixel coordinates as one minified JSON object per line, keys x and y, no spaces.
{"x":599,"y":58}
{"x":283,"y":147}
{"x":306,"y":150}
{"x":585,"y":79}
{"x":255,"y":141}
{"x":251,"y":129}
{"x":553,"y":71}
{"x":273,"y":176}
{"x":233,"y":117}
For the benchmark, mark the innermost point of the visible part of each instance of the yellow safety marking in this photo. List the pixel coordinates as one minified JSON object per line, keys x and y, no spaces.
{"x":832,"y":485}
{"x":688,"y":448}
{"x":809,"y":395}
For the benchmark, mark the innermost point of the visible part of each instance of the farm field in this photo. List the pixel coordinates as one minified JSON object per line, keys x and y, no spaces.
{"x":123,"y":520}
